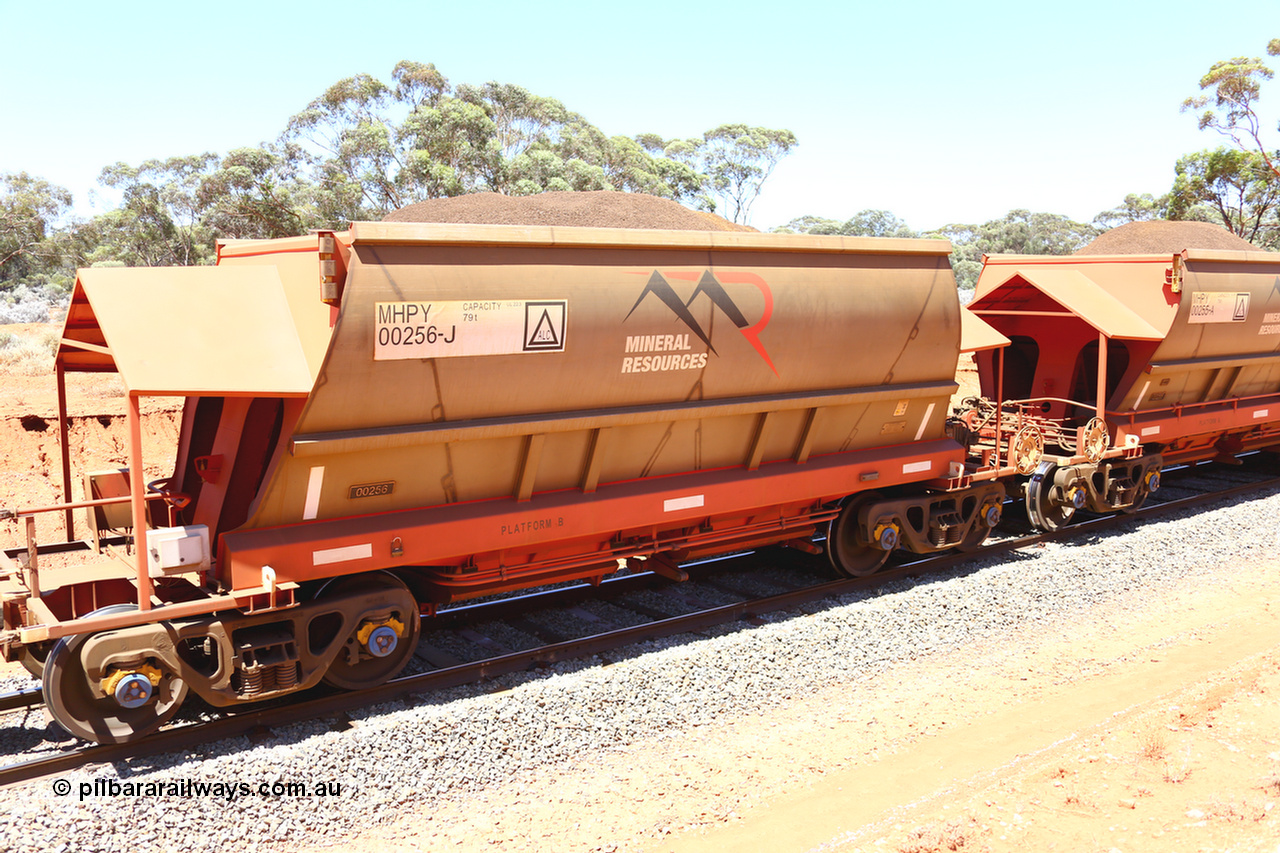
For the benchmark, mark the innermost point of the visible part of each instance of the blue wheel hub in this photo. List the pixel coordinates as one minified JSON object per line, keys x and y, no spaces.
{"x":133,"y":691}
{"x":382,"y":641}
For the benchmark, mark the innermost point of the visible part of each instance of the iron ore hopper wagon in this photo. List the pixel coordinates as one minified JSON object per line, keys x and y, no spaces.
{"x":385,"y":420}
{"x":1120,"y":364}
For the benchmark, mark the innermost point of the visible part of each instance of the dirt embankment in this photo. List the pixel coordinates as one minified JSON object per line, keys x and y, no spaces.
{"x":30,"y":456}
{"x":30,"y":462}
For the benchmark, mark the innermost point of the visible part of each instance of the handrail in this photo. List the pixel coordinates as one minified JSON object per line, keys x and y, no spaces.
{"x":1178,"y":408}
{"x":25,"y":512}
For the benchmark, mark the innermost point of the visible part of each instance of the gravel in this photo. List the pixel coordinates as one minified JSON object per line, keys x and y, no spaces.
{"x":454,"y":745}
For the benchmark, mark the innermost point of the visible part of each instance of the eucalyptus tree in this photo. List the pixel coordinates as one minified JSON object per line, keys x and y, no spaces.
{"x":1136,"y":207}
{"x":1231,"y":107}
{"x":864,"y":223}
{"x":159,"y":221}
{"x":359,"y":150}
{"x":1235,"y":188}
{"x":342,"y":135}
{"x":1238,"y":187}
{"x":256,"y":193}
{"x":1019,"y":232}
{"x":172,"y":211}
{"x":811,"y":224}
{"x":449,"y":149}
{"x":372,"y":147}
{"x":30,"y":207}
{"x":738,"y":160}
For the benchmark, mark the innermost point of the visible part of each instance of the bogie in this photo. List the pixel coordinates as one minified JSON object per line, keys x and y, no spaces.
{"x":871,"y":525}
{"x":356,"y":632}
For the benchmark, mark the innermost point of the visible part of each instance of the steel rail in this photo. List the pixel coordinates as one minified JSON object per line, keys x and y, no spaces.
{"x":237,"y":723}
{"x":25,"y":698}
{"x":493,"y":609}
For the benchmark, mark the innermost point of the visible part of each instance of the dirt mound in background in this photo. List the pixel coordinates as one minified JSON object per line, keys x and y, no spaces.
{"x":602,"y":209}
{"x":1162,"y":237}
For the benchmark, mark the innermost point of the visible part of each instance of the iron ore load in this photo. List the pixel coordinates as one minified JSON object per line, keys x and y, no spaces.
{"x":385,"y":420}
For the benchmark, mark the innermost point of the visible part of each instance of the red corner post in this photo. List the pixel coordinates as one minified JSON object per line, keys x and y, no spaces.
{"x":1102,"y":376}
{"x":65,"y":450}
{"x":137,"y":491}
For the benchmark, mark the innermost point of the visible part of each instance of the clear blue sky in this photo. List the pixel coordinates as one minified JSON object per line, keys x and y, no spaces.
{"x":937,"y":111}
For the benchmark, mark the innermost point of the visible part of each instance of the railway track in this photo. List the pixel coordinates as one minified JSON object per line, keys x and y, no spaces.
{"x":708,"y":580}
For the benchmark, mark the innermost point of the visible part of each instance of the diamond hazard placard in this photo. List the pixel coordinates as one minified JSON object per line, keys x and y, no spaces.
{"x":544,"y":325}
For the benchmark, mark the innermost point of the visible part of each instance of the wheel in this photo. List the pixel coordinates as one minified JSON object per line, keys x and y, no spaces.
{"x":34,"y":656}
{"x":1150,"y":483}
{"x":974,"y":538}
{"x":357,"y":666}
{"x":1138,"y":500}
{"x":74,"y":706}
{"x":849,"y":554}
{"x":1042,"y":511}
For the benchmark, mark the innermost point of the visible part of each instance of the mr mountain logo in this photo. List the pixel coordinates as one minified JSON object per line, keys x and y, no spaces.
{"x":682,"y":357}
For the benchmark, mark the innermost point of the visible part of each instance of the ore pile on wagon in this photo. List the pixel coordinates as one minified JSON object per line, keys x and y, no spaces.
{"x":385,"y":420}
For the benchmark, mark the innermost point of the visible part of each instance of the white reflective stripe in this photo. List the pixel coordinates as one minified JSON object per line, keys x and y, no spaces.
{"x":916,"y":467}
{"x":342,"y":555}
{"x":691,"y":502}
{"x":312,"y":507}
{"x":1262,"y":413}
{"x":1155,"y":430}
{"x":924,"y":422}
